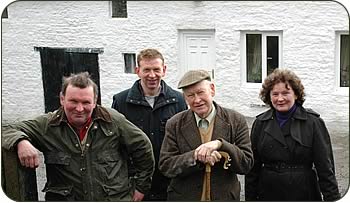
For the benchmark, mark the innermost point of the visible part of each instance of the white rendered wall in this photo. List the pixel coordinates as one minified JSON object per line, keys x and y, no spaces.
{"x":308,"y":33}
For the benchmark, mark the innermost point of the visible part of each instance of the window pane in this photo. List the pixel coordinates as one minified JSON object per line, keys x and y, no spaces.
{"x":254,"y":63}
{"x":344,"y":60}
{"x":272,"y":53}
{"x":119,"y":9}
{"x":129,"y":63}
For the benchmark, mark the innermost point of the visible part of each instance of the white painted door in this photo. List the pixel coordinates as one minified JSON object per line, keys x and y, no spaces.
{"x":197,"y":50}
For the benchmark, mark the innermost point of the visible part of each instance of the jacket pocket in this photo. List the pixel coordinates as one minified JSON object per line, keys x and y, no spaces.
{"x":110,"y":167}
{"x":174,"y":195}
{"x":59,"y":158}
{"x":63,"y":193}
{"x":162,"y":126}
{"x":235,"y":192}
{"x":112,"y":173}
{"x":113,"y":190}
{"x":107,"y":156}
{"x":107,"y":131}
{"x":116,"y":193}
{"x":162,"y":131}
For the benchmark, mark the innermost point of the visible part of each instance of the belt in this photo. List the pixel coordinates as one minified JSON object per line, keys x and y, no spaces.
{"x":282,"y":165}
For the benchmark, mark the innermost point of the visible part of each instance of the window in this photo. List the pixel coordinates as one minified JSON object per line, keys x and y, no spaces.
{"x":262,"y":54}
{"x":119,"y":9}
{"x":344,"y":60}
{"x":129,"y":62}
{"x":342,"y":53}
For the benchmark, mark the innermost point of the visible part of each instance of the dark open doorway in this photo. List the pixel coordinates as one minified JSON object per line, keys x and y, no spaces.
{"x":59,"y":62}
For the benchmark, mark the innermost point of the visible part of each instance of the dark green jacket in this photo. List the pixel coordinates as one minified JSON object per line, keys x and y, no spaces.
{"x":96,"y":171}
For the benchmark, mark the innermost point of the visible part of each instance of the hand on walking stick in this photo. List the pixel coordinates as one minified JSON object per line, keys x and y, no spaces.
{"x":205,"y":152}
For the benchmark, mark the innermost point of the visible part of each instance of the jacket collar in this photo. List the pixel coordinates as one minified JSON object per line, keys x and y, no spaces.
{"x":136,"y":91}
{"x":99,"y":113}
{"x":166,"y":95}
{"x":300,"y":114}
{"x":274,"y":130}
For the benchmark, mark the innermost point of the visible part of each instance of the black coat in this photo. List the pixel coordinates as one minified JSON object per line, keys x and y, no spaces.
{"x":298,"y":170}
{"x":133,"y":105}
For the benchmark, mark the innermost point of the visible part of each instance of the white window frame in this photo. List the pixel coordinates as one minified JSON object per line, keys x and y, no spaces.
{"x":339,"y":90}
{"x":264,"y":35}
{"x":132,"y":69}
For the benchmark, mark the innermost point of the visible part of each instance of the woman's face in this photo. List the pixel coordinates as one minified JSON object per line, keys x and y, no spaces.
{"x":282,"y":97}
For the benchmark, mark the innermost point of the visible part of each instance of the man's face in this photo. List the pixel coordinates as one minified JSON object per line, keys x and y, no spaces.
{"x":200,"y":97}
{"x":151,"y":71}
{"x":78,"y":104}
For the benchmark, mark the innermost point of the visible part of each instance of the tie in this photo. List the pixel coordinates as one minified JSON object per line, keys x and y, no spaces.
{"x":203,"y":123}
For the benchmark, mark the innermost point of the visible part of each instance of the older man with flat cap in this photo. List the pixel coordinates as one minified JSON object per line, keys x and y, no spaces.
{"x":204,"y":147}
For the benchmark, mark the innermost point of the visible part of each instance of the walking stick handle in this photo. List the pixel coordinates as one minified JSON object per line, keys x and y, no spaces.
{"x":227,"y":159}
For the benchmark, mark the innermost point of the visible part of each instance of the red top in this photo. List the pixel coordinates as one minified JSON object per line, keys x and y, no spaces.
{"x":83,"y":130}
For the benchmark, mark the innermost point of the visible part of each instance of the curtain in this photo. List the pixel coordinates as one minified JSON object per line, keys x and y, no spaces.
{"x":254,"y":63}
{"x":344,"y":60}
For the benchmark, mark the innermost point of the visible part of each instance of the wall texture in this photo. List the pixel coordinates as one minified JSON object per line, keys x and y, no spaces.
{"x":309,"y":46}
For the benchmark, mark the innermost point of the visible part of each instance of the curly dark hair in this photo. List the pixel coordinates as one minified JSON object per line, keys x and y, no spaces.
{"x":286,"y":76}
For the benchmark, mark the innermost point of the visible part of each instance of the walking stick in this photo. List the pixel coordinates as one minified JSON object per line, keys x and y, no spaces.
{"x":206,"y":187}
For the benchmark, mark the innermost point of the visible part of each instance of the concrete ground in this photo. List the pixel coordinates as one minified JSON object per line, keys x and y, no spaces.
{"x":339,"y":132}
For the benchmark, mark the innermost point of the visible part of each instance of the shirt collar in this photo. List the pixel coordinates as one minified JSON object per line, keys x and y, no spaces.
{"x":209,"y":118}
{"x":99,"y":113}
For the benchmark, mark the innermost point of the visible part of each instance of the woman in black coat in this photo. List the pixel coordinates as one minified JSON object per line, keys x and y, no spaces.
{"x":293,"y":158}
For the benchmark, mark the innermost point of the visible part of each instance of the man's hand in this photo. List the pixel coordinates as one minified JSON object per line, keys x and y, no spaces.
{"x":205,"y":152}
{"x":138,"y":196}
{"x":215,"y":157}
{"x":28,"y":155}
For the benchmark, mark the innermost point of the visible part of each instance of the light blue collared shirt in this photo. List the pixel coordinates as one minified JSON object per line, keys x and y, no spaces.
{"x":209,"y":118}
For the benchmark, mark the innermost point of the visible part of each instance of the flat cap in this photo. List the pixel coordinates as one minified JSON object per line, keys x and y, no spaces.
{"x":192,"y":77}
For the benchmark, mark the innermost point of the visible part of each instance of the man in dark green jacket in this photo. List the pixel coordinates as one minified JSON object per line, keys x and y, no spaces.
{"x":85,"y":146}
